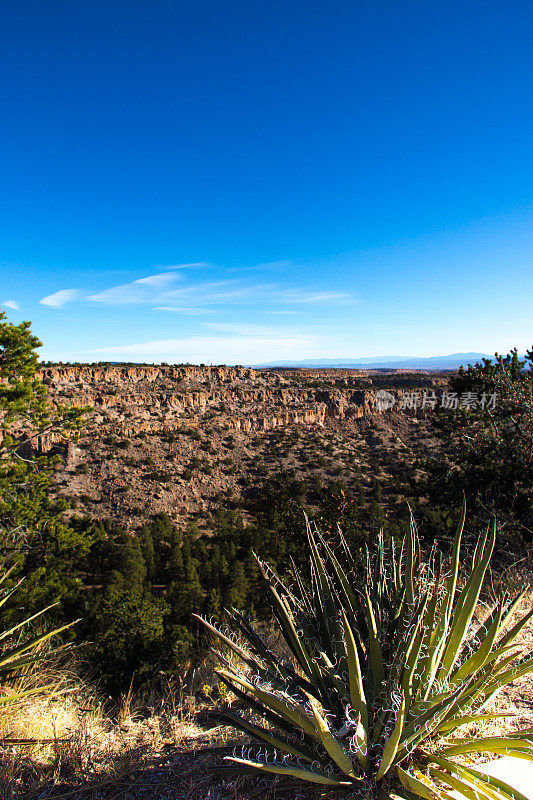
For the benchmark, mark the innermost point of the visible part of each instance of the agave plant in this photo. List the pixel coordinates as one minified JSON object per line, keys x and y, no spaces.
{"x":386,"y":664}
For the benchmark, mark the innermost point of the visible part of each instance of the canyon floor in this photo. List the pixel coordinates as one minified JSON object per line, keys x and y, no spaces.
{"x":180,"y":440}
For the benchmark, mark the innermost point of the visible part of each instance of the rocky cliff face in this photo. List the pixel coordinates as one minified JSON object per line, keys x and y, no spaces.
{"x":133,"y":399}
{"x":176,"y":436}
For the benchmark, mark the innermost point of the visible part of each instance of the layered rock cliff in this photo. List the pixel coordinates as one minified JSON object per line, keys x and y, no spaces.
{"x":174,"y":437}
{"x":132,"y":399}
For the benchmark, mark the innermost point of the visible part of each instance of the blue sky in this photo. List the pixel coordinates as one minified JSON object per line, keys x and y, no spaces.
{"x":244,"y":182}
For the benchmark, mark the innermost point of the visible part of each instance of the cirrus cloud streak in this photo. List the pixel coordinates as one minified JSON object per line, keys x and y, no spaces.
{"x":60,"y":298}
{"x":217,"y":349}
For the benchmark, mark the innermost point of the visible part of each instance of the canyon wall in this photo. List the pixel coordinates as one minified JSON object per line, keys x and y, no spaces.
{"x":186,"y":440}
{"x":129,"y":399}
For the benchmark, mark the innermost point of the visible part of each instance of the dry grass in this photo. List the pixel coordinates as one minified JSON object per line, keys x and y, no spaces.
{"x":163,"y":747}
{"x":136,"y":755}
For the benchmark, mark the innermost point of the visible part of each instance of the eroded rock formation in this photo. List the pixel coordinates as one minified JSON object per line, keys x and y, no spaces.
{"x":170,"y":438}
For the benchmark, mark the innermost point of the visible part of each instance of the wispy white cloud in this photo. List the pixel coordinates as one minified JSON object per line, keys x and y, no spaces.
{"x":161,"y":279}
{"x":149,"y":289}
{"x":142,"y":290}
{"x":302,"y":296}
{"x":269,"y":265}
{"x":235,"y":293}
{"x":11,"y":304}
{"x":218,"y":349}
{"x":60,"y":298}
{"x":207,"y":296}
{"x":168,"y":290}
{"x":165,"y":289}
{"x":185,"y":310}
{"x":280,"y":311}
{"x":190,"y":265}
{"x":199,"y":291}
{"x":220,"y":292}
{"x":252,"y":329}
{"x":241,"y":329}
{"x":236,"y":343}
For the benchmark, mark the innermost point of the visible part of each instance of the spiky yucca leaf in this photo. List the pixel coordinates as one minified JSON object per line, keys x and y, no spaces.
{"x":386,"y":663}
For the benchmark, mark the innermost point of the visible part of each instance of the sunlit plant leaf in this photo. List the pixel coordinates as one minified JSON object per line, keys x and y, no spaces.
{"x":387,"y":664}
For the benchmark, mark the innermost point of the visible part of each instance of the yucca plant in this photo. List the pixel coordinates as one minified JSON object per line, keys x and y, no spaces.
{"x":387,"y":663}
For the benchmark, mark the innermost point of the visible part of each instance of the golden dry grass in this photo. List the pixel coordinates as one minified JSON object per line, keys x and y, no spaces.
{"x":86,"y":750}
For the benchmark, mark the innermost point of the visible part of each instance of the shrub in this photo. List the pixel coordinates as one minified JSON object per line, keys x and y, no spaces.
{"x":129,"y":628}
{"x":386,"y":665}
{"x":160,"y":476}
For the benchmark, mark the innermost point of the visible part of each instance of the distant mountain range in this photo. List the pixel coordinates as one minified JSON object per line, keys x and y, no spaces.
{"x":452,"y":361}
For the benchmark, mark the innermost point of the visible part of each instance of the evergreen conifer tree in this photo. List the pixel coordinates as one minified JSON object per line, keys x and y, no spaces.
{"x":148,"y":551}
{"x":33,"y":535}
